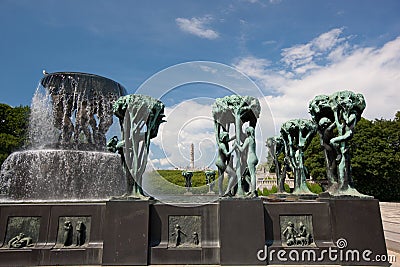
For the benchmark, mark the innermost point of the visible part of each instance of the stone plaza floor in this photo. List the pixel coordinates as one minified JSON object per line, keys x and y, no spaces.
{"x":390,"y":213}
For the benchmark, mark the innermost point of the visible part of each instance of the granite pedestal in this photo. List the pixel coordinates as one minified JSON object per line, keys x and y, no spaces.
{"x":226,"y":232}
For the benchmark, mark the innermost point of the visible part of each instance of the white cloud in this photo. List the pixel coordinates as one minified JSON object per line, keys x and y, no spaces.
{"x":298,"y":55}
{"x":160,"y":162}
{"x":208,"y":69}
{"x":328,"y":40}
{"x":303,"y":57}
{"x":197,"y":26}
{"x":188,"y":122}
{"x":372,"y":71}
{"x":259,"y":70}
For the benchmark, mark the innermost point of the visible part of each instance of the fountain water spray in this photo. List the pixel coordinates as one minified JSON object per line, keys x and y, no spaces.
{"x":67,"y":159}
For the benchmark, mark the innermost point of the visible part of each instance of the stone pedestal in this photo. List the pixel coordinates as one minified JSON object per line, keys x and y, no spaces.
{"x":357,"y":224}
{"x":163,"y":234}
{"x":226,"y":232}
{"x":343,"y":231}
{"x":242,"y":231}
{"x":91,"y":251}
{"x":44,"y":224}
{"x":315,"y":215}
{"x":125,"y":233}
{"x":24,"y":256}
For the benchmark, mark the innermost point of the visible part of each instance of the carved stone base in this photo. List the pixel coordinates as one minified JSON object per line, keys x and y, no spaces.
{"x":339,"y":231}
{"x":42,"y":223}
{"x":126,"y":232}
{"x":358,"y":221}
{"x":241,"y":222}
{"x":165,"y":223}
{"x":227,"y":232}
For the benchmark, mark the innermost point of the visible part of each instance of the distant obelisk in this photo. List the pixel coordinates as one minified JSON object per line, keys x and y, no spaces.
{"x":192,"y":156}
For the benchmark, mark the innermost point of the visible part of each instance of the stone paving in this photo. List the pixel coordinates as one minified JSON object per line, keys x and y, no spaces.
{"x":390,"y":213}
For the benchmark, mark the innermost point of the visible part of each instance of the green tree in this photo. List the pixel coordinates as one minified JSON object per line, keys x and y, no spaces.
{"x":315,"y":188}
{"x":13,"y":129}
{"x":315,"y":160}
{"x":376,"y":158}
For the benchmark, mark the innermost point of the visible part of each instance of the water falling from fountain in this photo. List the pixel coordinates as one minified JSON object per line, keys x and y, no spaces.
{"x":67,"y":159}
{"x":42,"y":132}
{"x":82,"y":108}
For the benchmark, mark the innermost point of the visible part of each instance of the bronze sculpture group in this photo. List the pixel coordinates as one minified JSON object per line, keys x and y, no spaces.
{"x":230,"y":114}
{"x":297,"y":237}
{"x":333,"y":117}
{"x":68,"y":235}
{"x":140,"y":117}
{"x":179,"y":240}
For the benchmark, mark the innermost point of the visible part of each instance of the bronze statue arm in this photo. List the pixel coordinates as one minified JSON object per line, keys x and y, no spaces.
{"x":243,"y":147}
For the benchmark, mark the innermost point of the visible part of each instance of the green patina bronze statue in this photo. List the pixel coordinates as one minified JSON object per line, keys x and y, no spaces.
{"x":140,"y":117}
{"x":224,"y":164}
{"x":251,"y":158}
{"x":296,"y":135}
{"x":336,"y":116}
{"x":234,"y":111}
{"x":210,"y":180}
{"x":188,"y":179}
{"x":276,"y":146}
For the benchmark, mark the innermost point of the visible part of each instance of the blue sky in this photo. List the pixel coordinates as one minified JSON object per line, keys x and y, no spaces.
{"x":293,"y":50}
{"x":128,"y":41}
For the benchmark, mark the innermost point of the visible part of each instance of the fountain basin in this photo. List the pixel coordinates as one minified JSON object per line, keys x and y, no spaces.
{"x":72,"y":82}
{"x":81,"y":106}
{"x":51,"y":174}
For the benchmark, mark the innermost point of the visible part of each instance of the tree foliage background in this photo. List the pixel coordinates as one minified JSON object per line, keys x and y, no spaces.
{"x":375,"y":158}
{"x":13,"y":129}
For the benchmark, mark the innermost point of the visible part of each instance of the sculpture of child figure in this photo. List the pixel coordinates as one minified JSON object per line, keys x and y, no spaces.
{"x":303,"y":237}
{"x":178,"y":235}
{"x":290,"y":234}
{"x":224,"y":163}
{"x":195,"y":238}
